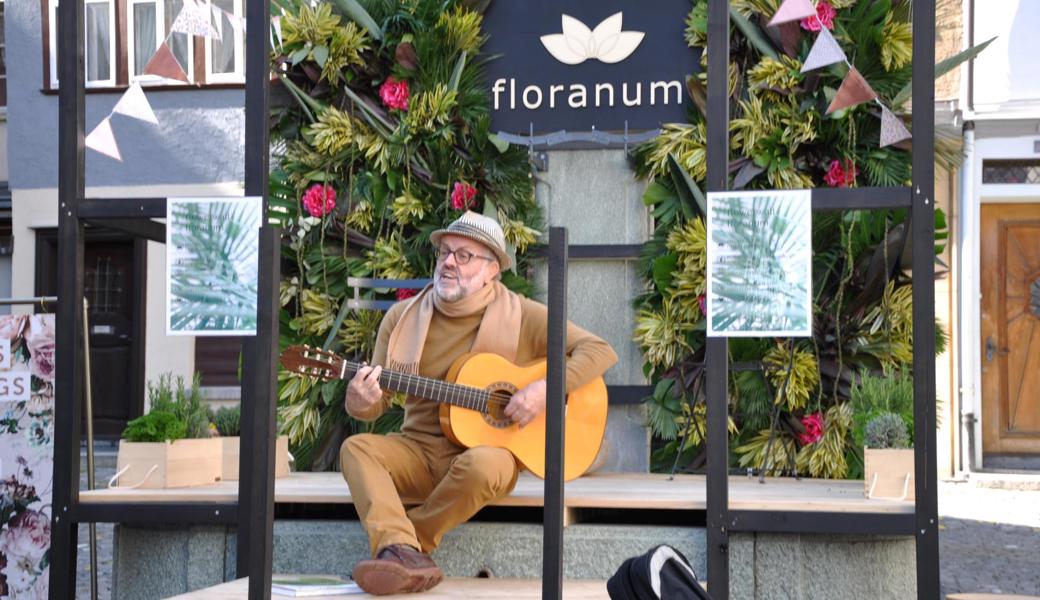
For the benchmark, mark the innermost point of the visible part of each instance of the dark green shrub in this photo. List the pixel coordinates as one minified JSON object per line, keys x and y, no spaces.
{"x":156,"y":426}
{"x":228,"y":420}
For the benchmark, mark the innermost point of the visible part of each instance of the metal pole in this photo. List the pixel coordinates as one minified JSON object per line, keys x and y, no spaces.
{"x":555,"y":397}
{"x":717,"y":353}
{"x":89,"y":407}
{"x":922,"y":217}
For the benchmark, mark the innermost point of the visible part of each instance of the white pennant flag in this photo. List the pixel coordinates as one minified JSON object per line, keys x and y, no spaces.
{"x":892,"y":128}
{"x":276,"y":21}
{"x":134,"y":104}
{"x":237,"y":23}
{"x":193,"y":20}
{"x":103,"y":140}
{"x":825,"y":51}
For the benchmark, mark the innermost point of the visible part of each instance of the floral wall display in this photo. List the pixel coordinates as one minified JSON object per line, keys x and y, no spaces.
{"x":381,"y":134}
{"x":797,"y":121}
{"x":26,"y":454}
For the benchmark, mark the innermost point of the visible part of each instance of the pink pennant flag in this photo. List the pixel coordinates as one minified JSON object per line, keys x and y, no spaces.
{"x":103,"y":140}
{"x":854,"y":90}
{"x":134,"y":104}
{"x":164,"y":64}
{"x":825,"y":51}
{"x":793,"y":10}
{"x":892,"y":128}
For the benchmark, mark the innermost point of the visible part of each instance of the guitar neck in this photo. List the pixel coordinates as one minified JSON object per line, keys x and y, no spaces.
{"x":427,"y":387}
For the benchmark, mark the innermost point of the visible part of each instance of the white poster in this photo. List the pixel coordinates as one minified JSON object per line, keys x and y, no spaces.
{"x":212,"y":248}
{"x":760,"y":263}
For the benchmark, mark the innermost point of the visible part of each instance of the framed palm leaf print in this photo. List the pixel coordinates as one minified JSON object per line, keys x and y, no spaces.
{"x":212,"y":248}
{"x":759,"y":263}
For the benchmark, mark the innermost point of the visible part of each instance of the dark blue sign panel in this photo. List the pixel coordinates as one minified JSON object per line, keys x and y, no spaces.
{"x":579,"y":65}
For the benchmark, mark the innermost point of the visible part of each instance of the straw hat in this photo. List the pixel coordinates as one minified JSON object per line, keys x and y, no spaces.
{"x":481,"y":229}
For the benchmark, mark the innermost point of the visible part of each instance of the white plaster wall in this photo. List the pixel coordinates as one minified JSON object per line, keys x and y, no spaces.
{"x":38,"y":208}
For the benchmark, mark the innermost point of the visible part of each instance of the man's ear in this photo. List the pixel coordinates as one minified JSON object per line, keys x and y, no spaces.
{"x":493,"y":270}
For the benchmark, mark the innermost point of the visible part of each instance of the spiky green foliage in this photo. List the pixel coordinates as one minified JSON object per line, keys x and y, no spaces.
{"x":393,"y":170}
{"x":228,"y":420}
{"x":781,"y":137}
{"x":886,"y":430}
{"x":169,"y":396}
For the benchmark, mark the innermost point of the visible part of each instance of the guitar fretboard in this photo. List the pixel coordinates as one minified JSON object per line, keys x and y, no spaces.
{"x":426,"y":387}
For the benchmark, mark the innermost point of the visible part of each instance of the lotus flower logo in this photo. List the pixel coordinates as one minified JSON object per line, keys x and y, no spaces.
{"x":606,"y":43}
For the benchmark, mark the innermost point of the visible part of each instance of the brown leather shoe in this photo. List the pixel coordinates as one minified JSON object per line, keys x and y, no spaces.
{"x":397,"y":569}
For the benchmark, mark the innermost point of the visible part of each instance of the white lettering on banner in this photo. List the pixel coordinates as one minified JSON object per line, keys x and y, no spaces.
{"x":5,"y":354}
{"x":15,"y":386}
{"x":532,"y":95}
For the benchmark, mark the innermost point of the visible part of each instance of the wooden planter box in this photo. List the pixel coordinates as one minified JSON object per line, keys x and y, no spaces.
{"x":888,"y":474}
{"x":231,"y":457}
{"x":181,"y":463}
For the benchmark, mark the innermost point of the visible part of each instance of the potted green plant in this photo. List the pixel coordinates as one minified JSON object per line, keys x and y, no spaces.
{"x":171,"y":445}
{"x":228,"y":423}
{"x":888,"y":459}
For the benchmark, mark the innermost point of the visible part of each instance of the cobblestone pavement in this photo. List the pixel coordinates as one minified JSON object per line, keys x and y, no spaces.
{"x":989,"y":541}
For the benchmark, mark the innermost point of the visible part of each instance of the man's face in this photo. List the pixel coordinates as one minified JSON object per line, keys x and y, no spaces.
{"x":453,"y":280}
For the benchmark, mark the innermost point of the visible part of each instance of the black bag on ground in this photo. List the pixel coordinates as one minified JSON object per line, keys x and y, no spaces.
{"x":663,"y":573}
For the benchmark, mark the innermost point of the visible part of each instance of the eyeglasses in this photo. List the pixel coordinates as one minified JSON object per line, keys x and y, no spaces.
{"x":462,"y":256}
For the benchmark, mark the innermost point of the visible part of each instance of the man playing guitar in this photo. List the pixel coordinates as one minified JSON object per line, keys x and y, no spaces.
{"x":466,"y":309}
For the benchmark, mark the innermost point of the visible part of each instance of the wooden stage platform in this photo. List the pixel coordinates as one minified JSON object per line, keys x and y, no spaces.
{"x":450,"y":589}
{"x":606,"y":490}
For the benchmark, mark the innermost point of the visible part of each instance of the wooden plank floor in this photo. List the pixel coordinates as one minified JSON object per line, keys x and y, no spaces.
{"x":607,"y":490}
{"x":450,"y":589}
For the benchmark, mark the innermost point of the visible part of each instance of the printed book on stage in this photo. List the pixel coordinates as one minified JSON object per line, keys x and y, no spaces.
{"x":302,"y":586}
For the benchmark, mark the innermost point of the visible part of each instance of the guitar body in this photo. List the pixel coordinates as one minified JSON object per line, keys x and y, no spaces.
{"x":585,"y":415}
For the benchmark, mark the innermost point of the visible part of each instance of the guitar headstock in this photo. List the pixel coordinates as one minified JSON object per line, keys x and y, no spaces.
{"x":312,"y":362}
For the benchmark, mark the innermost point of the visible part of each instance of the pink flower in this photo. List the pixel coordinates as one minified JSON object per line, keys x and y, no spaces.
{"x":319,"y":200}
{"x":12,"y":326}
{"x":27,"y":535}
{"x":39,"y":339}
{"x":394,"y":93}
{"x":813,"y":425}
{"x":825,"y":14}
{"x":700,"y":304}
{"x":838,"y":177}
{"x":462,"y":196}
{"x":404,"y":293}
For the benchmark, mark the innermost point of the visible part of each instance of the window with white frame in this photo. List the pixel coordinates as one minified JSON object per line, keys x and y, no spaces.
{"x":111,"y":61}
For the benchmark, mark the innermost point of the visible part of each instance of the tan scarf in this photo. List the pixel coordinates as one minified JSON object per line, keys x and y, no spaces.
{"x":499,"y":330}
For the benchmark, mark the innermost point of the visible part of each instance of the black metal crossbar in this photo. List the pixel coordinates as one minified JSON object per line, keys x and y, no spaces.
{"x":224,"y":513}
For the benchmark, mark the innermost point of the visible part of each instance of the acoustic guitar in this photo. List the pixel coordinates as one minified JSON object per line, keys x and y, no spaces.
{"x":473,"y":401}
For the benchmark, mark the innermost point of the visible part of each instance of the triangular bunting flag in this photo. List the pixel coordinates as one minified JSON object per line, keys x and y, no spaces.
{"x":825,"y":51}
{"x":218,"y":20}
{"x":793,"y":10}
{"x":237,"y":23}
{"x":276,"y":22}
{"x":854,"y":90}
{"x":892,"y":128}
{"x":133,"y":104}
{"x":103,"y":140}
{"x":164,"y":64}
{"x":193,"y":20}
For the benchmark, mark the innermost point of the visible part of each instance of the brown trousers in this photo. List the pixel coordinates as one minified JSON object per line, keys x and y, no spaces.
{"x":452,"y":484}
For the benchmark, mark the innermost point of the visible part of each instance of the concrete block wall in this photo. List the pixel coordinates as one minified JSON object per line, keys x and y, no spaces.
{"x":595,"y":195}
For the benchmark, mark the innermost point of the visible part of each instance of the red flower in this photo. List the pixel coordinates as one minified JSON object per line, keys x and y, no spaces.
{"x":838,"y":177}
{"x":813,"y":425}
{"x":700,"y":304}
{"x":319,"y":200}
{"x":462,"y":196}
{"x":825,"y":14}
{"x":394,"y":93}
{"x":404,"y":293}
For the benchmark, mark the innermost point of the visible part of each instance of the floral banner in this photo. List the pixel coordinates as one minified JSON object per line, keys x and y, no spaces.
{"x":26,"y":454}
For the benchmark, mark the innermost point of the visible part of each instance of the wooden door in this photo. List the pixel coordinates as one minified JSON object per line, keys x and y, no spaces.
{"x":1010,"y":265}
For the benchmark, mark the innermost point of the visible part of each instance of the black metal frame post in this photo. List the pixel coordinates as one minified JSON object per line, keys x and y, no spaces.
{"x":260,"y":353}
{"x":555,"y":397}
{"x":923,"y":292}
{"x":69,"y":384}
{"x":717,"y":351}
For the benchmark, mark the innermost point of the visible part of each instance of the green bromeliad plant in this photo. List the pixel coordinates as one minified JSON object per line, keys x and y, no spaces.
{"x":791,"y":410}
{"x":382,"y":137}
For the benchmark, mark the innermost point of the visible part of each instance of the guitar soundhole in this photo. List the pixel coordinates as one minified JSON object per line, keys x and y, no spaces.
{"x":500,"y":393}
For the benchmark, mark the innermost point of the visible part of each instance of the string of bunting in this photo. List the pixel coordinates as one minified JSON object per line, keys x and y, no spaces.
{"x":854,"y":88}
{"x":193,"y":19}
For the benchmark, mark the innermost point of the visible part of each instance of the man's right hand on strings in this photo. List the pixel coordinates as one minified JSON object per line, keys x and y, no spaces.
{"x":363,"y":391}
